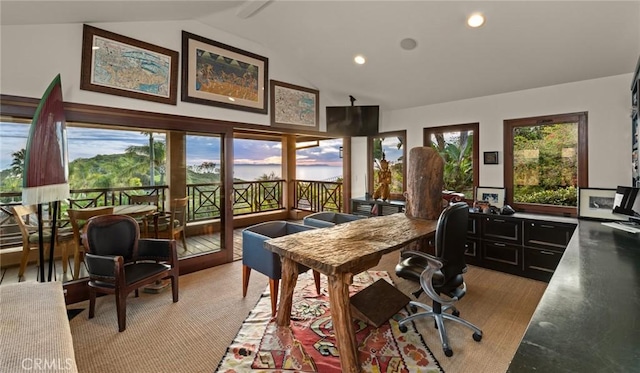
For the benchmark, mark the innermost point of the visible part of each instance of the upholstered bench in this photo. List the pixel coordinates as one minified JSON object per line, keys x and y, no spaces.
{"x":328,"y":219}
{"x":34,"y":329}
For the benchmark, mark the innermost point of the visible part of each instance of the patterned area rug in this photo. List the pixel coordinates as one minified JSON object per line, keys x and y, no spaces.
{"x":309,"y":345}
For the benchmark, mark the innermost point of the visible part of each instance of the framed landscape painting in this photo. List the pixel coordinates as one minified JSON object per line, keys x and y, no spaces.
{"x":122,"y":66}
{"x":293,"y":106}
{"x":221,"y":75}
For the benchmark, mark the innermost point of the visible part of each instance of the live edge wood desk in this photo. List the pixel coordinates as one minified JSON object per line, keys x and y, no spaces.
{"x":340,"y":252}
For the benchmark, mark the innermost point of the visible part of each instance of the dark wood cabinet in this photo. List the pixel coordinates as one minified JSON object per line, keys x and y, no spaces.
{"x":373,"y":207}
{"x":527,"y":247}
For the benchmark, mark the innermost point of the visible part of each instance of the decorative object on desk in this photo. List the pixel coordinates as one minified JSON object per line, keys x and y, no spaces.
{"x":491,"y":158}
{"x":221,"y":75}
{"x":384,"y":179}
{"x":309,"y":344}
{"x":293,"y":106}
{"x":597,"y":204}
{"x":495,"y":196}
{"x":123,"y":66}
{"x":423,"y":198}
{"x":46,"y":164}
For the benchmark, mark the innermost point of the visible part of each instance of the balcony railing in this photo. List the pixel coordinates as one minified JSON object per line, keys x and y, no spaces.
{"x":204,"y":200}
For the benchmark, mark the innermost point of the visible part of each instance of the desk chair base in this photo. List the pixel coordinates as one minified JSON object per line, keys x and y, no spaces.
{"x":439,"y":315}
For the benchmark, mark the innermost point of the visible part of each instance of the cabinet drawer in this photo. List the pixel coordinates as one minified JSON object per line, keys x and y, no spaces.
{"x":540,"y":263}
{"x":547,"y":235}
{"x":500,"y":252}
{"x":501,"y":229}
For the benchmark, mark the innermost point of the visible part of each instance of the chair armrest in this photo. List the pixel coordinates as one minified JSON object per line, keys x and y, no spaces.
{"x":426,"y":278}
{"x":103,"y":266}
{"x":157,"y":250}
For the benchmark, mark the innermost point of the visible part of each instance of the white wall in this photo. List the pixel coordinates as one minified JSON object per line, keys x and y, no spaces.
{"x":607,"y":101}
{"x":32,"y":55}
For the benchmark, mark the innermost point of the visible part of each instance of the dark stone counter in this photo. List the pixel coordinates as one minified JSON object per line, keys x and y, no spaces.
{"x":588,"y":319}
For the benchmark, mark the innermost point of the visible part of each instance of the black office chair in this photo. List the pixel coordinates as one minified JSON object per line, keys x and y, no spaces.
{"x":441,"y":274}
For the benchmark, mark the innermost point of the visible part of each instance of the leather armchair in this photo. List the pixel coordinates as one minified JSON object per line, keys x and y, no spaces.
{"x":329,"y":219}
{"x":119,"y":262}
{"x":255,"y":256}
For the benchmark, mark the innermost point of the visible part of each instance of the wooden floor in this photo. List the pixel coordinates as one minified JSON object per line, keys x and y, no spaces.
{"x":195,"y":245}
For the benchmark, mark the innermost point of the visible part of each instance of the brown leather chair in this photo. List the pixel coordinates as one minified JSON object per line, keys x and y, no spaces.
{"x":171,"y":224}
{"x":26,"y":217}
{"x":119,"y":262}
{"x":78,"y":218}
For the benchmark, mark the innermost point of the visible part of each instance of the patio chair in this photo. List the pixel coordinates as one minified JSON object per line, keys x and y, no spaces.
{"x":171,"y":224}
{"x":78,"y":218}
{"x":146,"y":220}
{"x":26,"y":218}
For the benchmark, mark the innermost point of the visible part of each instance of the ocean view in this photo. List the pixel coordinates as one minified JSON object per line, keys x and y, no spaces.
{"x":250,"y":172}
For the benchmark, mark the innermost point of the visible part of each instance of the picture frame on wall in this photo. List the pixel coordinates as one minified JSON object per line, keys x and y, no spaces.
{"x":122,"y":66}
{"x":490,"y":157}
{"x":221,"y":75}
{"x":495,"y":196}
{"x":293,"y":106}
{"x":597,"y":204}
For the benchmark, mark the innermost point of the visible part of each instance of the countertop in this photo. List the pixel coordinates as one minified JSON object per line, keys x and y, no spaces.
{"x":588,"y":319}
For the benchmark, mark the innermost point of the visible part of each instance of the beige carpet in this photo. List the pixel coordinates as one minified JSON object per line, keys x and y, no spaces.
{"x":193,"y":334}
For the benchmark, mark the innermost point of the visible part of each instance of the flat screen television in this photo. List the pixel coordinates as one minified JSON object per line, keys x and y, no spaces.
{"x":353,"y":121}
{"x":627,"y":202}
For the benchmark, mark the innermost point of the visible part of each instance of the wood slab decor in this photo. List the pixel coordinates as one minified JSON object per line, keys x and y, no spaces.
{"x":424,"y":183}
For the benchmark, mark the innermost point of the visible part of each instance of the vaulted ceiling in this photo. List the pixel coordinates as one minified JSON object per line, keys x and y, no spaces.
{"x":523,"y":44}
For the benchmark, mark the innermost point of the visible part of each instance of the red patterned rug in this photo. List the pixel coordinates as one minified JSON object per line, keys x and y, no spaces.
{"x":309,"y":345}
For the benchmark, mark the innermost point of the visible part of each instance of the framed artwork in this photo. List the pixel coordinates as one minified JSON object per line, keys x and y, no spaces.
{"x":495,"y":196}
{"x":293,"y":106}
{"x":597,"y":204}
{"x":490,"y":157}
{"x":217,"y":74}
{"x":122,"y":66}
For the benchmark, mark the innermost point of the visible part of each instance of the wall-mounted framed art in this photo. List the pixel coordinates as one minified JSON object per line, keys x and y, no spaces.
{"x":491,"y":158}
{"x":293,"y":106}
{"x":123,"y":66}
{"x":495,"y":196}
{"x":217,"y":74}
{"x":597,"y":204}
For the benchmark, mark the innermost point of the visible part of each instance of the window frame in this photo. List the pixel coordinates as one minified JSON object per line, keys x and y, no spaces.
{"x":475,"y":127}
{"x":583,"y":159}
{"x":370,"y":164}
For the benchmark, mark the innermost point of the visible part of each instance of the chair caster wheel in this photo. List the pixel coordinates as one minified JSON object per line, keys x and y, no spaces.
{"x":477,"y":337}
{"x":413,"y":308}
{"x":456,"y":313}
{"x":403,"y":328}
{"x":448,"y":352}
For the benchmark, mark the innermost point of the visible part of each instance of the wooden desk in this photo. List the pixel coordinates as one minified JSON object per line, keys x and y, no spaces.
{"x":340,"y":252}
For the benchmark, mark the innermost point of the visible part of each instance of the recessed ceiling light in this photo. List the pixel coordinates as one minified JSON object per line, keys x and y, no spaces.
{"x":475,"y":20}
{"x":408,"y":44}
{"x":359,"y":59}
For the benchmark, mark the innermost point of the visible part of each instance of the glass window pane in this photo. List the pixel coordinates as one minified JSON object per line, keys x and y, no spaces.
{"x":545,"y":164}
{"x":456,"y":149}
{"x":390,"y":149}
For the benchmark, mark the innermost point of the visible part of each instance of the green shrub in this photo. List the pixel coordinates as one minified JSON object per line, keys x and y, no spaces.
{"x":559,"y":197}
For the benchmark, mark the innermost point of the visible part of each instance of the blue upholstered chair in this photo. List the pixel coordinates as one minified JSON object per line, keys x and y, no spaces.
{"x":255,"y":256}
{"x":329,"y":219}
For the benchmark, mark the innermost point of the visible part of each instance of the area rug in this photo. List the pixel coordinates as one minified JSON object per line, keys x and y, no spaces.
{"x":309,"y":345}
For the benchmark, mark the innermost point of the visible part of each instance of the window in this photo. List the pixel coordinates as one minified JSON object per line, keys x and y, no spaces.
{"x":546,"y":162}
{"x":388,"y":146}
{"x":458,"y":146}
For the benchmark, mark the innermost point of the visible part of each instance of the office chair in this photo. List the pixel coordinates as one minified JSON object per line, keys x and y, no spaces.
{"x":440,"y":274}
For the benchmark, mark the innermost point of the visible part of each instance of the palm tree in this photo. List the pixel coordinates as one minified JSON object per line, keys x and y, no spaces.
{"x":157,"y":158}
{"x":17,"y":164}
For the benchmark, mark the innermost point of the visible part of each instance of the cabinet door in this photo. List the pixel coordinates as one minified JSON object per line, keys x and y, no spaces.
{"x":473,"y":229}
{"x":502,"y":229}
{"x":547,"y":235}
{"x":472,"y":254}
